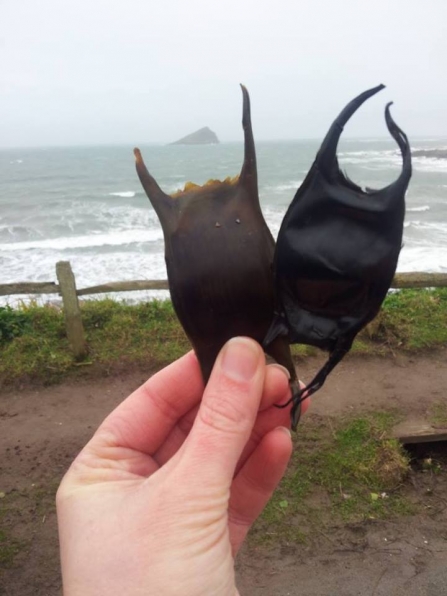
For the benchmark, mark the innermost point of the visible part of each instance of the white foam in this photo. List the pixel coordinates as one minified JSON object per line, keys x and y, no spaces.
{"x":273,"y":218}
{"x":291,"y":185}
{"x":91,"y":240}
{"x":139,"y":264}
{"x":429,"y":164}
{"x":422,"y":208}
{"x":174,"y":187}
{"x":126,"y":194}
{"x":432,"y":226}
{"x":423,"y":258}
{"x":368,"y":154}
{"x":88,"y":272}
{"x":372,"y":160}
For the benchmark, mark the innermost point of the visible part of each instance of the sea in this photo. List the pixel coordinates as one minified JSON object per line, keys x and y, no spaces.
{"x":85,"y":204}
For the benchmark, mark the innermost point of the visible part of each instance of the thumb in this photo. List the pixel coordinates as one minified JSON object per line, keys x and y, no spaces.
{"x":228,"y":410}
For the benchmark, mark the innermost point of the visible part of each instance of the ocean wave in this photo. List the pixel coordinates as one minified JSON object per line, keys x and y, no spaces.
{"x":372,"y":153}
{"x":380,"y":159}
{"x":429,"y":164}
{"x":11,"y":228}
{"x":11,"y":231}
{"x":428,"y":259}
{"x":274,"y":218}
{"x":172,"y":188}
{"x":422,"y":208}
{"x":428,"y":226}
{"x":140,"y":265}
{"x":90,"y":240}
{"x":126,"y":194}
{"x":364,"y":141}
{"x":372,"y":159}
{"x":430,"y":152}
{"x":88,"y":272}
{"x":291,"y":185}
{"x":120,"y":266}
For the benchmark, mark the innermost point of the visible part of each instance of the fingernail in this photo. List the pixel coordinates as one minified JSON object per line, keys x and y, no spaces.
{"x":281,"y":367}
{"x":240,"y":359}
{"x":285,"y":430}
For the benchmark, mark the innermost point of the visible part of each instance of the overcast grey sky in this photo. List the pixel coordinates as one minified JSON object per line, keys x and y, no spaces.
{"x":135,"y":71}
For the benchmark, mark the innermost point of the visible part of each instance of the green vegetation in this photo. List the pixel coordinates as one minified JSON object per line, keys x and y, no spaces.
{"x":119,"y":336}
{"x":349,"y":473}
{"x":414,"y":319}
{"x":438,"y":413}
{"x":33,"y":345}
{"x":12,"y":323}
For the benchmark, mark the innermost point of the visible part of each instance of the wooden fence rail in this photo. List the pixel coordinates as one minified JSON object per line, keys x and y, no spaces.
{"x":66,"y":288}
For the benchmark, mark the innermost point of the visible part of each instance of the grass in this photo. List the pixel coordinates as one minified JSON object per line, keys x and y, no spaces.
{"x":413,"y":319}
{"x":118,"y":336}
{"x":33,"y":346}
{"x":438,"y":413}
{"x":348,"y":473}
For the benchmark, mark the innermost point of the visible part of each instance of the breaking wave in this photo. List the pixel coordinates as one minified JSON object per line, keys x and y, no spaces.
{"x":91,"y":240}
{"x":126,"y":194}
{"x":422,"y":208}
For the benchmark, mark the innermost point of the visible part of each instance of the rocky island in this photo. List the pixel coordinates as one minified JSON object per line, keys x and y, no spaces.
{"x":203,"y":136}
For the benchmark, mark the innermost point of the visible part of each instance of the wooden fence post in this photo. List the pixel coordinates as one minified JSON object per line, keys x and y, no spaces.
{"x":72,"y":312}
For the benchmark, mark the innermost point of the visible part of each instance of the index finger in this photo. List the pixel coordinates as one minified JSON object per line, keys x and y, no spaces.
{"x":228,"y":410}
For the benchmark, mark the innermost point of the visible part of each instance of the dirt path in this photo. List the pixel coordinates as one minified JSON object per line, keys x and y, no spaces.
{"x":42,"y":430}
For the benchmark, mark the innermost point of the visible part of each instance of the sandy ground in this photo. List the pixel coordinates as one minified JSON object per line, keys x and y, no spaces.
{"x":41,"y":430}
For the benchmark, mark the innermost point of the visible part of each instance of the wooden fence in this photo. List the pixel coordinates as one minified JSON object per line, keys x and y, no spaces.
{"x":66,"y":288}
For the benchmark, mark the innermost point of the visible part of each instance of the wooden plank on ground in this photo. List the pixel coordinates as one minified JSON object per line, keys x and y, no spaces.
{"x":419,"y":432}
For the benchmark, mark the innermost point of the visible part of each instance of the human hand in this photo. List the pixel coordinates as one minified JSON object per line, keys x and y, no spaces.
{"x":161,"y":498}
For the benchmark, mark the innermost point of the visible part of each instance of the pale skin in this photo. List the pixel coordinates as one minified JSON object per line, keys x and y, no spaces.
{"x":162,"y":497}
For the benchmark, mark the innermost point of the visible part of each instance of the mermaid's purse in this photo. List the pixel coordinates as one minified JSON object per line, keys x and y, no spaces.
{"x":336,"y":252}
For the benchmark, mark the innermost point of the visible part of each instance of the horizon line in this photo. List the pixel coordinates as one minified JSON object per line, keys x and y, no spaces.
{"x":233,"y":141}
